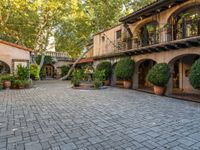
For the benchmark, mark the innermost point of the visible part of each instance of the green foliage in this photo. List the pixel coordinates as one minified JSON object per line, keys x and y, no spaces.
{"x":76,"y":77}
{"x":47,"y":60}
{"x":64,"y":70}
{"x":34,"y":71}
{"x":99,"y":77}
{"x":107,"y":67}
{"x":159,"y":75}
{"x":6,"y":77}
{"x":194,"y":76}
{"x":22,"y":72}
{"x":124,"y":69}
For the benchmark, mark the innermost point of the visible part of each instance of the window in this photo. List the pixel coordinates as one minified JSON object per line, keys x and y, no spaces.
{"x":103,"y":38}
{"x":187,"y":23}
{"x":118,"y":34}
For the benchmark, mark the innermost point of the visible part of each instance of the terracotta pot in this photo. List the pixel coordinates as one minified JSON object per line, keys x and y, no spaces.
{"x":127,"y":84}
{"x":107,"y":82}
{"x":159,"y":90}
{"x":7,"y":84}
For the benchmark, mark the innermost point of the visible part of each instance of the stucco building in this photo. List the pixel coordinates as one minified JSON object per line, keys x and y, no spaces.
{"x":12,"y":55}
{"x":165,"y":31}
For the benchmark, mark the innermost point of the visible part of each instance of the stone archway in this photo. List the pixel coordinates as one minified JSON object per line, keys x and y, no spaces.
{"x":180,"y":67}
{"x":49,"y":70}
{"x":4,"y":68}
{"x":142,"y":68}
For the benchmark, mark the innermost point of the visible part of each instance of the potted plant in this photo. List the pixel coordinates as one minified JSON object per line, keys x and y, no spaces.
{"x":76,"y":78}
{"x":194,"y":76}
{"x":124,"y":71}
{"x":159,"y":76}
{"x":18,"y":84}
{"x":27,"y":84}
{"x":107,"y":67}
{"x":6,"y":81}
{"x":99,"y":77}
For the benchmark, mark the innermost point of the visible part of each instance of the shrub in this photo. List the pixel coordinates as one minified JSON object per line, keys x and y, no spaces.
{"x":99,"y":77}
{"x":64,"y":70}
{"x":194,"y":76}
{"x":76,"y":77}
{"x":6,"y":77}
{"x":34,"y":71}
{"x":22,"y":72}
{"x":124,"y":69}
{"x":159,"y":74}
{"x":107,"y":67}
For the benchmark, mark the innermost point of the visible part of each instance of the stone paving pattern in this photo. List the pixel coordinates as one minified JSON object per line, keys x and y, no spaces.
{"x":52,"y":116}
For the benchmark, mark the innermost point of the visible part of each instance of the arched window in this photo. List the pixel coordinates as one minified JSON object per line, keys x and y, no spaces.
{"x":149,"y":34}
{"x":187,"y":23}
{"x":4,"y":68}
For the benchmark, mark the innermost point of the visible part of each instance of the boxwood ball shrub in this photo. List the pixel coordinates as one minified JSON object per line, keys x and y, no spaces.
{"x":194,"y":76}
{"x":107,"y":67}
{"x":159,"y":75}
{"x":124,"y":69}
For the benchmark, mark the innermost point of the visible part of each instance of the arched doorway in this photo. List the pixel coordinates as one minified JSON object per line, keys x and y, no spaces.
{"x":149,"y":34}
{"x":4,"y":68}
{"x":49,"y":71}
{"x":181,"y":67}
{"x":143,"y":69}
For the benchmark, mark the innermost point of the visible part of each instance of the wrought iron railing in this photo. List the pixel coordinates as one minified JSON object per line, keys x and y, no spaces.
{"x":163,"y":35}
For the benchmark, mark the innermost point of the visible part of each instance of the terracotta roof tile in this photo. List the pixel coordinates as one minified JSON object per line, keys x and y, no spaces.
{"x":16,"y":45}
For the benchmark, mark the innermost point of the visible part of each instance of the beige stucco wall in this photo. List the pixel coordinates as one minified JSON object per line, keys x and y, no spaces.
{"x":106,"y":47}
{"x":9,"y":53}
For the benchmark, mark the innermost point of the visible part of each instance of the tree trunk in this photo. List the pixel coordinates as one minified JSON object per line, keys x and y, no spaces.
{"x":75,"y":63}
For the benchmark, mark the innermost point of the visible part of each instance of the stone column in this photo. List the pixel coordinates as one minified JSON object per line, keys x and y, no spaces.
{"x":136,"y":77}
{"x":170,"y":83}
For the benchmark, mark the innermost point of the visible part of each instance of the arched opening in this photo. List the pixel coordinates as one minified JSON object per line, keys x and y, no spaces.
{"x":185,"y":23}
{"x":143,"y":70}
{"x":49,"y":70}
{"x":149,"y":34}
{"x":180,"y":67}
{"x":4,"y":68}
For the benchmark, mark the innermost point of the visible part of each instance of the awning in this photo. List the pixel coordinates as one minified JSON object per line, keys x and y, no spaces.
{"x":86,"y":60}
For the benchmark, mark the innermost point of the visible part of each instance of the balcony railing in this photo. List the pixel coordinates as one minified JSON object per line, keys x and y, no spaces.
{"x":162,"y":36}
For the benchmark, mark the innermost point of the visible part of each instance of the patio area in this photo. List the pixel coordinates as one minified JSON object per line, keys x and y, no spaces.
{"x":52,"y":115}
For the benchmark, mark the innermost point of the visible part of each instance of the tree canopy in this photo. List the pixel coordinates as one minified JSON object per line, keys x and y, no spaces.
{"x":71,"y":22}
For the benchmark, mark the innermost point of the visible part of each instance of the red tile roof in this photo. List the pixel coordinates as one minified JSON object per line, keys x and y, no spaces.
{"x":16,"y":45}
{"x":86,"y":60}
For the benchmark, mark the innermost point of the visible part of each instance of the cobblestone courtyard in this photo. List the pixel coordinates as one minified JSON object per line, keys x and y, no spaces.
{"x":54,"y":116}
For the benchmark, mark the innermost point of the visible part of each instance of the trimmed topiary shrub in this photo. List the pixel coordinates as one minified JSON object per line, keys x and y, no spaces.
{"x":124,"y":69}
{"x":159,"y":74}
{"x":194,"y":76}
{"x":107,"y":67}
{"x":64,"y":70}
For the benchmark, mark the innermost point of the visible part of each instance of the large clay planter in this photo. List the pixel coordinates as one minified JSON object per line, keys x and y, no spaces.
{"x":127,"y":84}
{"x":158,"y":90}
{"x":7,"y":84}
{"x":107,"y":82}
